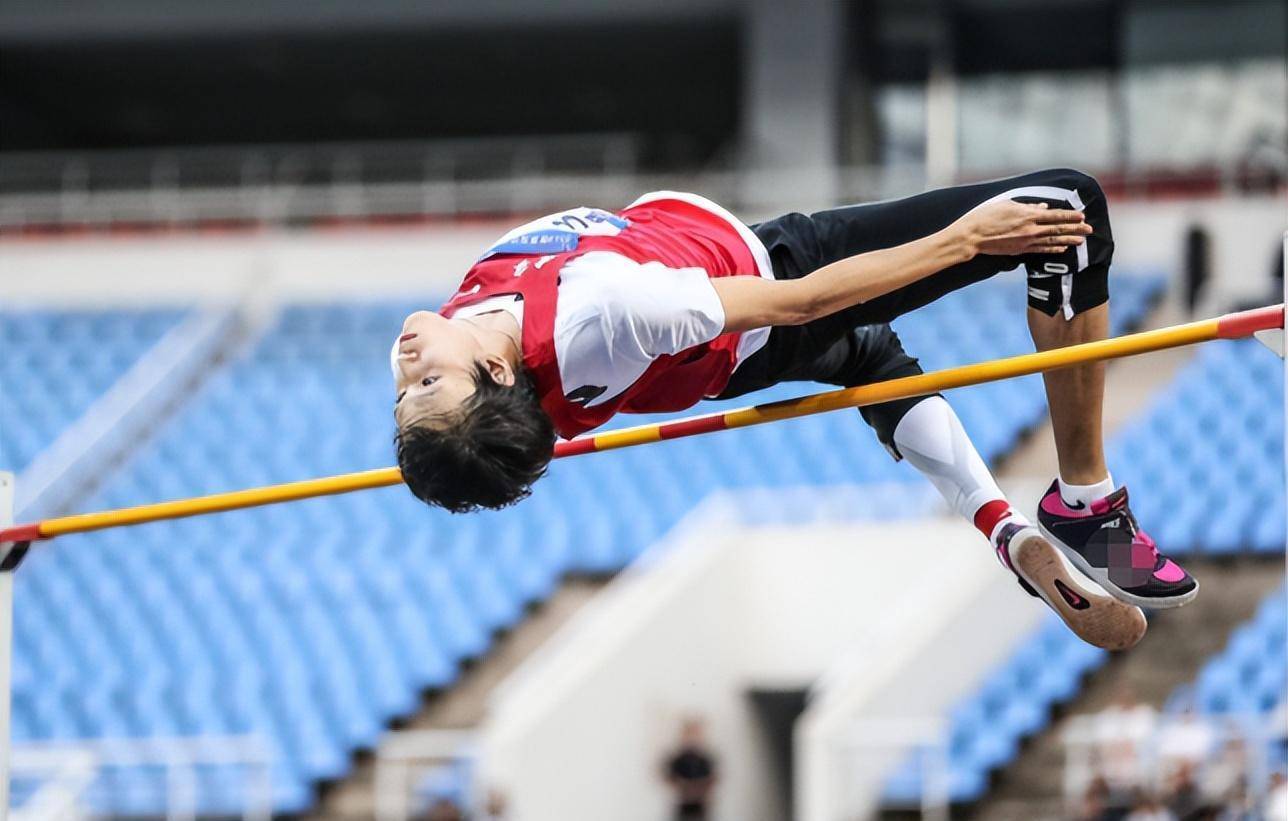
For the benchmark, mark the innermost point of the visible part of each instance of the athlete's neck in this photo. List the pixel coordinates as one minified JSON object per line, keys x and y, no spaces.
{"x":499,"y":334}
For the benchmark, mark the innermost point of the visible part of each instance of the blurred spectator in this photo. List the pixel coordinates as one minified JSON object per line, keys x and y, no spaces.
{"x":1148,"y":808}
{"x":1277,"y":269}
{"x":1197,"y":266}
{"x":1183,"y":742}
{"x":1276,"y":804}
{"x":1096,"y":804}
{"x":1224,"y":776}
{"x":691,"y":773}
{"x":444,"y":809}
{"x":1121,"y":731}
{"x":1184,"y":798}
{"x":494,"y":806}
{"x":1238,"y":805}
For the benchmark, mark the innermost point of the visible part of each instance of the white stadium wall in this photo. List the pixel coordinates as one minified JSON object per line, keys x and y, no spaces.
{"x":392,"y":262}
{"x":286,"y":265}
{"x":1244,"y":234}
{"x":718,"y":609}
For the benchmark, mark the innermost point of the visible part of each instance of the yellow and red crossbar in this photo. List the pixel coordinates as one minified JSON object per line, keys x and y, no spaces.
{"x":1230,"y":326}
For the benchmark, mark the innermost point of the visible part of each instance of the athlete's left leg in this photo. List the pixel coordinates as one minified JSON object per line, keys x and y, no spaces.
{"x":1068,"y":293}
{"x":1068,"y":303}
{"x":1075,"y":397}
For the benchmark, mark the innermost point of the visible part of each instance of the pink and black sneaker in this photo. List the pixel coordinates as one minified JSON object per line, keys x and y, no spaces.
{"x":1090,"y":612}
{"x":1105,"y":542}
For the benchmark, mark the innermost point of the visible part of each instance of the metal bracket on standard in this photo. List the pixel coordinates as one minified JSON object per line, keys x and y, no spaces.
{"x":12,"y":554}
{"x":1272,"y":339}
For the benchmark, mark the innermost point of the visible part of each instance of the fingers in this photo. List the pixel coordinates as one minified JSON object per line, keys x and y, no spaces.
{"x":1057,"y":230}
{"x":1054,"y":244}
{"x":1071,"y":229}
{"x":1057,"y":241}
{"x":1043,"y":214}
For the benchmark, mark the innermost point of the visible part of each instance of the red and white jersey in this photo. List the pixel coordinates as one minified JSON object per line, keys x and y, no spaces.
{"x":617,"y":309}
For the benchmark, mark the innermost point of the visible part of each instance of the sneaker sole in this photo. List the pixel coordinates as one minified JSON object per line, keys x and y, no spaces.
{"x":1094,"y":615}
{"x":1102,"y":578}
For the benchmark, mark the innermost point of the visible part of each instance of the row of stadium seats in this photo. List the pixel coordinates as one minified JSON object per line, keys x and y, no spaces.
{"x":56,"y":363}
{"x":1214,"y":437}
{"x":1014,"y":703}
{"x":1250,"y":676}
{"x":315,"y":624}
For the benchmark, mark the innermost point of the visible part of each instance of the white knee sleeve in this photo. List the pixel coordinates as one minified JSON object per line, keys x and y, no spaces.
{"x":932,"y":439}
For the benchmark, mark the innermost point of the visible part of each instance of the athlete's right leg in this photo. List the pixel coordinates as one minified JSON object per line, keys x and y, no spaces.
{"x":931,"y":438}
{"x":927,"y":433}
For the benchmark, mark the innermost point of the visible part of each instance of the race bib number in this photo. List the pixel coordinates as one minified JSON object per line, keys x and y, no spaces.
{"x":558,"y":233}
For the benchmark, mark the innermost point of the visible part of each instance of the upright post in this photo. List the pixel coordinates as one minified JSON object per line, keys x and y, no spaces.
{"x":6,"y":644}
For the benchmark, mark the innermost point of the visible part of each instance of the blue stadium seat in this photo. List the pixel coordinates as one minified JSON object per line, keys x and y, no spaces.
{"x":56,"y":363}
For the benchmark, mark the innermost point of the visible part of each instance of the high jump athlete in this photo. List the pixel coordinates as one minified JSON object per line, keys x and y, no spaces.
{"x":574,"y":317}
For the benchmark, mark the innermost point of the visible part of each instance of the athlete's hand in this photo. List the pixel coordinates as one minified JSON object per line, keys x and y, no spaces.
{"x":1009,"y":228}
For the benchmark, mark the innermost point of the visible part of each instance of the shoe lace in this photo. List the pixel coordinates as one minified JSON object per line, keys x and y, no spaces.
{"x":1144,"y":538}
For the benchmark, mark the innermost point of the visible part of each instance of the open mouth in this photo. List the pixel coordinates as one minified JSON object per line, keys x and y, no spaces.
{"x":406,"y":337}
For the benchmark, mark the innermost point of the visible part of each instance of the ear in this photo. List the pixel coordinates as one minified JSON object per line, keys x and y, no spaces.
{"x":500,"y":370}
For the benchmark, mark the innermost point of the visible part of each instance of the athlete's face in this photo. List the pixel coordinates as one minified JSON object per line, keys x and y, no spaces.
{"x":434,"y":366}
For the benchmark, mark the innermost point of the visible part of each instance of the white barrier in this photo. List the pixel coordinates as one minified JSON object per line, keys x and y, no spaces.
{"x":718,"y":609}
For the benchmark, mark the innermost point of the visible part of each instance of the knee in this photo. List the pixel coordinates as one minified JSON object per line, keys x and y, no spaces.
{"x":1087,"y":186}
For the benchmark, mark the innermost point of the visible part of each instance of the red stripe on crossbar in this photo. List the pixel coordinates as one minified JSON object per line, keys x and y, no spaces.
{"x":575,"y":447}
{"x":20,"y":533}
{"x":1245,"y":323}
{"x":691,"y":427}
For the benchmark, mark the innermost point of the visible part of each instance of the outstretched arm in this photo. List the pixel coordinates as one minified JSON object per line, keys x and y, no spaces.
{"x":1004,"y":228}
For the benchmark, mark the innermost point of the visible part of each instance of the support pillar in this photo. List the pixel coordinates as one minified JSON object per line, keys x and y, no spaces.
{"x":6,"y":639}
{"x":792,"y":103}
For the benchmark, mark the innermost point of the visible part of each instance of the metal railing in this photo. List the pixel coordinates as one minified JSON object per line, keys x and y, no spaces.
{"x":282,"y":202}
{"x":299,"y":182}
{"x":402,"y":755}
{"x":68,"y":772}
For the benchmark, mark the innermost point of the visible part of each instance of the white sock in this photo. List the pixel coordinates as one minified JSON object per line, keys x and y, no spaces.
{"x":1078,"y":495}
{"x":932,"y":439}
{"x":1014,"y":517}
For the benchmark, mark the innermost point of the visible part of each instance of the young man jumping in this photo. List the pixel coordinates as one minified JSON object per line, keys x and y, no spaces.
{"x":574,"y":317}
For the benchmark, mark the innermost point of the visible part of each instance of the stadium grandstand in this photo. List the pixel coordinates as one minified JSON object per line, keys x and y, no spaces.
{"x":216,"y":218}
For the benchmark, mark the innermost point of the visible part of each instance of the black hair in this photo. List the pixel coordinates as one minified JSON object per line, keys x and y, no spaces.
{"x":485,"y":454}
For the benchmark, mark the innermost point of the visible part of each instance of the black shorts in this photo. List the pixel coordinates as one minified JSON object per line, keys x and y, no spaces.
{"x":857,"y":346}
